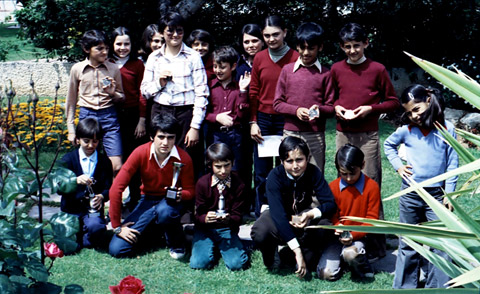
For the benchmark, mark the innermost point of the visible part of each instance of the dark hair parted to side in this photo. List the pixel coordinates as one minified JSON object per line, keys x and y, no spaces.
{"x":123,"y":31}
{"x":225,"y":54}
{"x":93,"y":38}
{"x":274,"y":21}
{"x":147,"y":37}
{"x":252,"y":29}
{"x":164,"y":122}
{"x":310,"y":33}
{"x":219,"y":152}
{"x":89,"y":128}
{"x":433,"y":113}
{"x":171,"y":20}
{"x":291,"y":143}
{"x":349,"y":157}
{"x":352,"y":32}
{"x":202,"y":36}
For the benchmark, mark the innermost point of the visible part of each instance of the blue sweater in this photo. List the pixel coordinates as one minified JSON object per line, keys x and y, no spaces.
{"x":428,"y":155}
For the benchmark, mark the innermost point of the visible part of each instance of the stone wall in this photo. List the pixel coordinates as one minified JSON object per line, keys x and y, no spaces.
{"x":44,"y":74}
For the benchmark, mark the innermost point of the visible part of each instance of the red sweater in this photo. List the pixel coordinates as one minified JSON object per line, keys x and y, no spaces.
{"x":265,"y":74}
{"x":303,"y":88}
{"x":367,"y":83}
{"x":351,"y":203}
{"x":132,"y":76}
{"x":154,"y":178}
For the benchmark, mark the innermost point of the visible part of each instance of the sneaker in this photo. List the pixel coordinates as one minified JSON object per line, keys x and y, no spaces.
{"x":177,"y":253}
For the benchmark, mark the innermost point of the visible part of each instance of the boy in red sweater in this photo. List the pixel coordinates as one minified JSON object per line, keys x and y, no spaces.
{"x":154,"y":161}
{"x":355,"y":195}
{"x":304,"y":93}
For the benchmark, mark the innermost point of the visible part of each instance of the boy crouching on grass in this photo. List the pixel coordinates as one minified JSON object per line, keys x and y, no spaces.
{"x":355,"y":195}
{"x":218,"y":213}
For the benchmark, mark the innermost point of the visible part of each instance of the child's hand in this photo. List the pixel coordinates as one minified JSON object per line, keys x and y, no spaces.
{"x":362,"y":111}
{"x":340,"y":112}
{"x":225,"y":119}
{"x":128,"y":234}
{"x":109,"y":87}
{"x":244,"y":81}
{"x":140,"y":130}
{"x":256,"y":133}
{"x":84,"y":180}
{"x":306,"y":216}
{"x":302,"y":114}
{"x":301,"y":265}
{"x":192,"y":137}
{"x":71,"y":138}
{"x":224,"y":218}
{"x":405,"y":171}
{"x":165,"y":77}
{"x":211,"y":217}
{"x":313,"y":112}
{"x":97,"y":202}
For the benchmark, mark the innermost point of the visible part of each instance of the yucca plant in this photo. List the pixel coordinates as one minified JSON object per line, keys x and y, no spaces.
{"x":457,"y":233}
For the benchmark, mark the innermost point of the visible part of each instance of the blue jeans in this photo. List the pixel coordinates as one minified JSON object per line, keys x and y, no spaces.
{"x":110,"y":124}
{"x":269,"y":124}
{"x":149,"y":209}
{"x":414,"y":210}
{"x":205,"y":241}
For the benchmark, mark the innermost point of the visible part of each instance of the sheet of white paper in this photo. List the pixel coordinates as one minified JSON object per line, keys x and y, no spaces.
{"x":269,"y":146}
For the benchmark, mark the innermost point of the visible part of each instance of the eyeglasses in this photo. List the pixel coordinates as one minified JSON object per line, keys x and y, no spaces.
{"x":171,"y":31}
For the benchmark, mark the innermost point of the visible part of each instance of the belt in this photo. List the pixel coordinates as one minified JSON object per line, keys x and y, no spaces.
{"x":225,"y":129}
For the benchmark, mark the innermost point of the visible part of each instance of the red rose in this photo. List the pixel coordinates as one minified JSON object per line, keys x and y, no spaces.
{"x":52,"y":250}
{"x":129,"y":285}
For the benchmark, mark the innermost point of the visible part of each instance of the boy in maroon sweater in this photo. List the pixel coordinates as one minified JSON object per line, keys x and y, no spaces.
{"x":304,"y":93}
{"x":228,"y":109}
{"x":363,"y":92}
{"x":219,"y":206}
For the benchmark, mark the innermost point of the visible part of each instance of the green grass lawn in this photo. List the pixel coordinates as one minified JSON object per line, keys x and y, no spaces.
{"x":18,"y":49}
{"x":95,"y":270}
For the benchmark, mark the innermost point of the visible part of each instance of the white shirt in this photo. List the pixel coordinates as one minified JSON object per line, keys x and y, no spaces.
{"x":88,"y":163}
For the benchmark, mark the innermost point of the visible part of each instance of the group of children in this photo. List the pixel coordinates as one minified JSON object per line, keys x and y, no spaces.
{"x":186,"y":99}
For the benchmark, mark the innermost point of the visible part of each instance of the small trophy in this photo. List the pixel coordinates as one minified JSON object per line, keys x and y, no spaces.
{"x":221,"y":207}
{"x":296,"y":219}
{"x":172,"y":190}
{"x":91,"y":198}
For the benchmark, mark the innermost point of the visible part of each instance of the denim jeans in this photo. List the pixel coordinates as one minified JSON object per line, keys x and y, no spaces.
{"x":205,"y":242}
{"x":150,"y":209}
{"x":414,"y":210}
{"x":269,"y":124}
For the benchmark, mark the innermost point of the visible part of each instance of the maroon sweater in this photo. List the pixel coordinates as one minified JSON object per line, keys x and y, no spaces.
{"x":206,"y":199}
{"x":265,"y":74}
{"x":367,"y":83}
{"x":132,"y":76}
{"x":229,"y":99}
{"x":303,"y":88}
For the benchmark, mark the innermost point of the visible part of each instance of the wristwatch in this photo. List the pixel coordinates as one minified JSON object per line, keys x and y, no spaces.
{"x":117,"y":230}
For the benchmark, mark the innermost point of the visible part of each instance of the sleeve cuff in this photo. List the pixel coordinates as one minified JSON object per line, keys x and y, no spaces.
{"x":317,"y":213}
{"x":293,"y":244}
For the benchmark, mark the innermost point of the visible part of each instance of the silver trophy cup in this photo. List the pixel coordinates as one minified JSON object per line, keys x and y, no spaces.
{"x":172,"y":190}
{"x":221,"y":207}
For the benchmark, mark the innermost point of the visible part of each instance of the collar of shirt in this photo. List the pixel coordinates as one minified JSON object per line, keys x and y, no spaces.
{"x":183,"y":50}
{"x":232,"y":85}
{"x":299,"y":63}
{"x":88,"y":163}
{"x":173,"y":153}
{"x":120,"y":61}
{"x":87,"y":63}
{"x":216,"y":180}
{"x":292,"y":178}
{"x":360,"y":61}
{"x":359,"y":185}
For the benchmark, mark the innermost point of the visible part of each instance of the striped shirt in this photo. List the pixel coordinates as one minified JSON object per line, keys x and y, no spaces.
{"x":187,"y":87}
